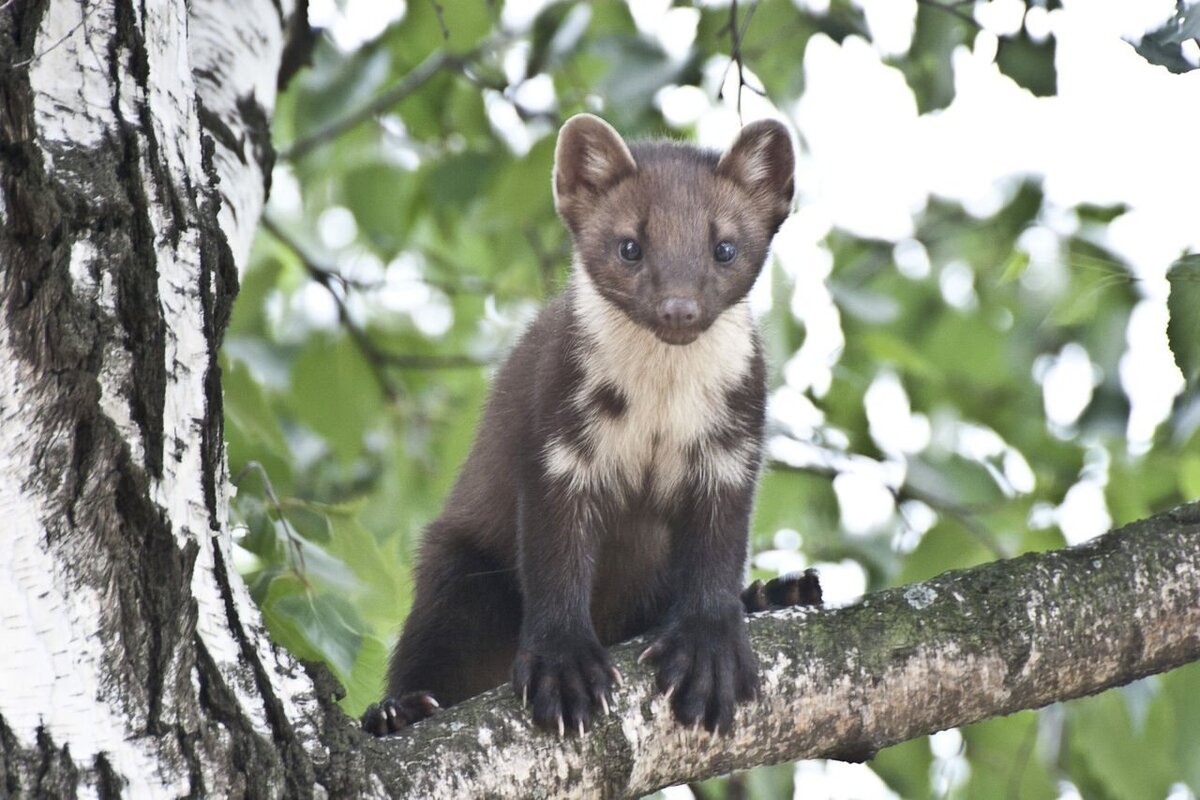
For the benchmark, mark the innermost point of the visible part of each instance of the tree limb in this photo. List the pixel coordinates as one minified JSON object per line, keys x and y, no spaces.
{"x":420,"y":75}
{"x":378,"y":358}
{"x":842,"y":683}
{"x":953,"y":10}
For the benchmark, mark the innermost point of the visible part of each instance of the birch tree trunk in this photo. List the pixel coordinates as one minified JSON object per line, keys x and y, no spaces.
{"x":134,"y":159}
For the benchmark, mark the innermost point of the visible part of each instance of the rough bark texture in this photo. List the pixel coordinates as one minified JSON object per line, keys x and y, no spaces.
{"x":135,"y":664}
{"x":843,"y":683}
{"x":134,"y":159}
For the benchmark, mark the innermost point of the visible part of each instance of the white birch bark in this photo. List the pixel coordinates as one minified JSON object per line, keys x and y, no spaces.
{"x":132,"y":82}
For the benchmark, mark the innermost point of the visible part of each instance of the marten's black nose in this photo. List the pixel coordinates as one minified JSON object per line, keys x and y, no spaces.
{"x":678,"y":312}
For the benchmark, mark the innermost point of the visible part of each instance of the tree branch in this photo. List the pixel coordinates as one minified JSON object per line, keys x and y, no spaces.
{"x":414,"y":80}
{"x":953,"y":10}
{"x":377,"y":357}
{"x":964,"y":515}
{"x":842,"y":683}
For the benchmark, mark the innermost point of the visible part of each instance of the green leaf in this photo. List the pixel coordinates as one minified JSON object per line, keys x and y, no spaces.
{"x":251,"y":425}
{"x":458,"y":181}
{"x":953,"y":479}
{"x":557,"y":32}
{"x":803,"y":502}
{"x":1098,"y":281}
{"x":885,"y":348}
{"x":365,"y":682}
{"x":522,"y":192}
{"x":927,"y":68}
{"x":329,"y":625}
{"x":429,"y":26}
{"x":1109,"y":755}
{"x":905,"y":767}
{"x":383,"y":579}
{"x":1015,"y":266}
{"x":382,"y":198}
{"x":1189,"y":477}
{"x":1005,"y":760}
{"x":338,"y":86}
{"x":321,"y":568}
{"x":1183,"y":304}
{"x":306,"y":520}
{"x":965,"y":346}
{"x":1164,"y":45}
{"x":948,"y":545}
{"x":335,"y":394}
{"x":1029,"y":63}
{"x":637,"y":69}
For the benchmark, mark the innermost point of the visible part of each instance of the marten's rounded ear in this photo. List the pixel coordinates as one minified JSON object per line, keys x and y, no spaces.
{"x":590,"y":158}
{"x":762,"y":161}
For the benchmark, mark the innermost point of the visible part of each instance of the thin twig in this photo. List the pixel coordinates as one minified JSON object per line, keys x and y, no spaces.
{"x":379,"y":359}
{"x":737,"y":33}
{"x":293,"y":539}
{"x":414,"y":80}
{"x":440,"y":11}
{"x":960,"y":513}
{"x":954,"y":11}
{"x":82,"y":20}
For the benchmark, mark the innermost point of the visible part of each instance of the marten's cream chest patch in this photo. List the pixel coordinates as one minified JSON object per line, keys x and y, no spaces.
{"x":650,"y":412}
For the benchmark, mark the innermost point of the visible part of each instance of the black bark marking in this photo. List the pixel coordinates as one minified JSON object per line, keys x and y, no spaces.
{"x":109,"y":785}
{"x":218,"y":284}
{"x":258,"y":132}
{"x":138,"y":306}
{"x":298,"y":46}
{"x":287,"y":749}
{"x":252,"y":759}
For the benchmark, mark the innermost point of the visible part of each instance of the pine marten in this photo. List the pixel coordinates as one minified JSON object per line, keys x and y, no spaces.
{"x":609,"y":489}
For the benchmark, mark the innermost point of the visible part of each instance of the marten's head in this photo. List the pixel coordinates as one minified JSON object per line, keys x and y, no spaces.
{"x":671,"y":234}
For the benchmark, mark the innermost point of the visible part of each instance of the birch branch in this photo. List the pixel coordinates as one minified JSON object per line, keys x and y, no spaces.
{"x":842,"y":683}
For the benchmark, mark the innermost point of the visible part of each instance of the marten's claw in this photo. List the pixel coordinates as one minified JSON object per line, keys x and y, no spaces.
{"x":395,"y":714}
{"x":564,"y":682}
{"x":705,"y":668}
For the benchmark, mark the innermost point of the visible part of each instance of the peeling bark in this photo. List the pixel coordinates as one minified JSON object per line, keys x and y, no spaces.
{"x":134,"y":159}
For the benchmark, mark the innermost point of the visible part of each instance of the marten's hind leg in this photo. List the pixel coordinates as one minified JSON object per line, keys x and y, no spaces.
{"x":793,"y":589}
{"x":459,"y":639}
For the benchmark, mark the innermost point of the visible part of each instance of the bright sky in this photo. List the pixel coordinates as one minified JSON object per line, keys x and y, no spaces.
{"x":1114,"y":133}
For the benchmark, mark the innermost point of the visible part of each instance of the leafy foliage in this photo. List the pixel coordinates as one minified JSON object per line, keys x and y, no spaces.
{"x":410,"y":240}
{"x":1165,"y":45}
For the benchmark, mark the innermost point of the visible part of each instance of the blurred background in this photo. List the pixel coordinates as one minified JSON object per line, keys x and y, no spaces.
{"x":966,"y":317}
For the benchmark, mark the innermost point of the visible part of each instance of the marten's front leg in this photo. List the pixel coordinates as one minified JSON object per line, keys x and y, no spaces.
{"x":561,"y":668}
{"x":705,"y":664}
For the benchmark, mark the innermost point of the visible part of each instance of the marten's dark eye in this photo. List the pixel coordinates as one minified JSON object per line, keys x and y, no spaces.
{"x":724,"y":252}
{"x":629,"y":251}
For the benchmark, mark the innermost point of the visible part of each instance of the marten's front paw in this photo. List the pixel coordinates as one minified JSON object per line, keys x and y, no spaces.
{"x":565,"y":681}
{"x":393,"y":714}
{"x":705,"y":667}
